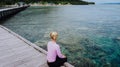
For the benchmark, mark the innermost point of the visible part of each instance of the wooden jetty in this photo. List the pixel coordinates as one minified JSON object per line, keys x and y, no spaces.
{"x":7,"y":12}
{"x":15,"y":51}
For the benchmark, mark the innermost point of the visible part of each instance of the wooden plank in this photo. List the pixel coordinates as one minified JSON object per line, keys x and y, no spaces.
{"x":43,"y":65}
{"x":9,"y":49}
{"x":25,"y":59}
{"x":37,"y":62}
{"x":2,"y":31}
{"x":4,"y":37}
{"x":8,"y":42}
{"x":14,"y":51}
{"x":22,"y":62}
{"x":17,"y":56}
{"x":22,"y":65}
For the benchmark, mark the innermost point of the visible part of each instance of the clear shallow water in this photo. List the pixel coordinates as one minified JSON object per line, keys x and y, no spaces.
{"x":88,"y":35}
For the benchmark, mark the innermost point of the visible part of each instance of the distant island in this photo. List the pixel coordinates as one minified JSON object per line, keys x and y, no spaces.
{"x":56,"y":2}
{"x":64,"y":2}
{"x":112,"y":3}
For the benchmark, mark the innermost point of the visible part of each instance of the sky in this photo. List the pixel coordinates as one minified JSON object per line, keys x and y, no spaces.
{"x":104,"y":1}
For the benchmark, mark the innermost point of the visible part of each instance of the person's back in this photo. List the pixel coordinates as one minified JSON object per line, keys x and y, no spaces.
{"x":51,"y":56}
{"x":54,"y":56}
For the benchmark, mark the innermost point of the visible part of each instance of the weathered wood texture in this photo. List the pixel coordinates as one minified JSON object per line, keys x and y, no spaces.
{"x":15,"y":51}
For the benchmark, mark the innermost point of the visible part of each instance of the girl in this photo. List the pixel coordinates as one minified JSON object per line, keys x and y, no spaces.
{"x":54,"y":56}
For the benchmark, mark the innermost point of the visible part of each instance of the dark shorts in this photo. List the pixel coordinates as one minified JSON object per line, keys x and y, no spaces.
{"x":59,"y":62}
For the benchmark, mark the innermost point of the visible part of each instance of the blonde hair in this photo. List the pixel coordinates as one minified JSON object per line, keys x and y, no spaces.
{"x":53,"y":35}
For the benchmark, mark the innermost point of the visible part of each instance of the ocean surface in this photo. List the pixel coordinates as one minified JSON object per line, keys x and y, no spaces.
{"x":88,"y":34}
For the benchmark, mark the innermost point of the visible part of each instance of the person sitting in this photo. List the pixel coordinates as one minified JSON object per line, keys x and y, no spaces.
{"x":54,"y":56}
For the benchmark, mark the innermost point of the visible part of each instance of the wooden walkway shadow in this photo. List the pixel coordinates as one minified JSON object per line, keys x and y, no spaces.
{"x":15,"y":51}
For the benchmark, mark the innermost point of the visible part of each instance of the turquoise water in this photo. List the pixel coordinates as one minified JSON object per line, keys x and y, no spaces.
{"x":88,"y":35}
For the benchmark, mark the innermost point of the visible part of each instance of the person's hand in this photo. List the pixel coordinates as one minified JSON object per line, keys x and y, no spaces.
{"x":64,"y":56}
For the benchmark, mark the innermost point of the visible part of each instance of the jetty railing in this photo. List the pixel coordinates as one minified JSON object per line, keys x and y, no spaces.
{"x":7,"y":12}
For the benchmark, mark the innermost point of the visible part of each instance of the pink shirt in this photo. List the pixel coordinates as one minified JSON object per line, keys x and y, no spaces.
{"x":53,"y":51}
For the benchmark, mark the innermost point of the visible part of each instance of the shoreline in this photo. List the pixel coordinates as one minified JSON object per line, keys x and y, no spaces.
{"x":35,"y":4}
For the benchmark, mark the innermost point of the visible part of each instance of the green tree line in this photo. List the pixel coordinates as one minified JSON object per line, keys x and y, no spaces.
{"x":76,"y":2}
